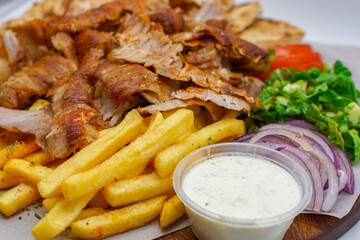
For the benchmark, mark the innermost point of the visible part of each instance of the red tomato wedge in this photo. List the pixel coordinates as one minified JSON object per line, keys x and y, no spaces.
{"x":298,"y":56}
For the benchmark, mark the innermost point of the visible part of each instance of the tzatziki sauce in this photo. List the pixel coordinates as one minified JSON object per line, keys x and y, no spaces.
{"x":242,"y":186}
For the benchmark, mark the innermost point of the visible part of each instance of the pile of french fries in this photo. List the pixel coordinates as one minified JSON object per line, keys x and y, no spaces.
{"x":121,"y":181}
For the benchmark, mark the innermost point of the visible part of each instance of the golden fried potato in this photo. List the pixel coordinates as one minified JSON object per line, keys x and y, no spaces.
{"x":18,"y":198}
{"x":230,"y":114}
{"x":93,"y":154}
{"x":90,"y":212}
{"x":32,"y":172}
{"x":167,"y":160}
{"x":60,"y":217}
{"x":132,"y":159}
{"x":49,"y":203}
{"x":135,"y":189}
{"x":8,"y":180}
{"x":172,"y":210}
{"x":40,"y":157}
{"x":17,"y":150}
{"x":119,"y":220}
{"x":39,"y":104}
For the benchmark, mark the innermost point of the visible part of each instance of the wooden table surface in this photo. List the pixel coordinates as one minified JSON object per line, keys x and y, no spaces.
{"x":304,"y":227}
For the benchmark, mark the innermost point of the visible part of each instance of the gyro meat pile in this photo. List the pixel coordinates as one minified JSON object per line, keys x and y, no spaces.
{"x":95,"y":62}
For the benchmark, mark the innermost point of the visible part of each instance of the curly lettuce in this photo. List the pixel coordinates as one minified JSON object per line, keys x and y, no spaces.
{"x":328,"y":98}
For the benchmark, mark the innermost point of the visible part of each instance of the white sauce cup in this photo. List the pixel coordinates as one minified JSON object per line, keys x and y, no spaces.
{"x":211,"y":226}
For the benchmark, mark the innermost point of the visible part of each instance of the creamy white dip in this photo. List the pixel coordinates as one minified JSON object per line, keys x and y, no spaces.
{"x":242,"y":186}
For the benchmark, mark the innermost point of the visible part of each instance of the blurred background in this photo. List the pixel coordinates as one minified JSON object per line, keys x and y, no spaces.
{"x":326,"y":21}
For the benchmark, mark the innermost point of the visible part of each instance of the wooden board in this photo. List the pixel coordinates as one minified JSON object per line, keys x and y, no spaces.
{"x":304,"y":227}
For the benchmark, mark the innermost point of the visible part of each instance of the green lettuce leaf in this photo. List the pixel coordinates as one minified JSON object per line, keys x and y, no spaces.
{"x":327,"y":97}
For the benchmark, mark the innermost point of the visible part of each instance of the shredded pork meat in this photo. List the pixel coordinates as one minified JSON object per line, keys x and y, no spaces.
{"x":37,"y":123}
{"x":75,"y":122}
{"x":35,"y":80}
{"x":226,"y":101}
{"x":142,"y":42}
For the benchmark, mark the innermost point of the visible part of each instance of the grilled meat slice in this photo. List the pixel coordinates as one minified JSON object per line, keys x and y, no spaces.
{"x":109,"y":111}
{"x":75,"y":123}
{"x":64,"y":43}
{"x":34,"y":38}
{"x":37,"y":123}
{"x":12,"y":46}
{"x":142,"y":42}
{"x":171,"y":21}
{"x":205,"y":58}
{"x":215,"y":111}
{"x":90,"y":38}
{"x":124,"y":80}
{"x":89,"y":19}
{"x":226,"y":101}
{"x":35,"y":80}
{"x":203,"y":79}
{"x":241,"y":54}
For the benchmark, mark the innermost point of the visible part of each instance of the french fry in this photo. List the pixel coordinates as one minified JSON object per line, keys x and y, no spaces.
{"x":49,"y":203}
{"x":201,"y":121}
{"x":167,"y":160}
{"x":93,"y":154}
{"x":18,"y":198}
{"x":8,"y":180}
{"x":172,"y":210}
{"x":98,"y":201}
{"x":132,"y":159}
{"x":90,"y":212}
{"x":135,"y":189}
{"x":230,"y":114}
{"x":40,"y":157}
{"x":119,"y":220}
{"x":56,"y":163}
{"x":17,"y":150}
{"x":146,"y":123}
{"x":32,"y":172}
{"x":155,"y":120}
{"x":60,"y":217}
{"x":39,"y":104}
{"x":152,"y":121}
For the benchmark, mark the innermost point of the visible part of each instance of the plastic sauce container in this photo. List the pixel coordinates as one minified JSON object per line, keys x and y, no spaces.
{"x":214,"y":224}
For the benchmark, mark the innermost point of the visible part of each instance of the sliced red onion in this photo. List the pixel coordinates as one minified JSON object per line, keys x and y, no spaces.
{"x":343,"y":179}
{"x":292,"y":136}
{"x":316,"y":139}
{"x":345,"y":165}
{"x":244,"y":138}
{"x":301,"y":123}
{"x":332,"y":192}
{"x":328,"y":166}
{"x":278,"y":139}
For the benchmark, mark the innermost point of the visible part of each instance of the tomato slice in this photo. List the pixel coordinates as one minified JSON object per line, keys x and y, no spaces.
{"x":297,"y":56}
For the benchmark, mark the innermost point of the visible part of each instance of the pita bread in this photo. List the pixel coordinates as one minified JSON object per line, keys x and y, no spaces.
{"x":242,"y":16}
{"x":268,"y":33}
